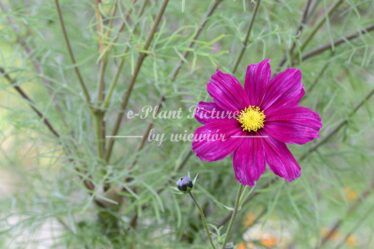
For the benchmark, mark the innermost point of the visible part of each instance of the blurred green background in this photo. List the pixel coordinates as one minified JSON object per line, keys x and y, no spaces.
{"x":43,"y":202}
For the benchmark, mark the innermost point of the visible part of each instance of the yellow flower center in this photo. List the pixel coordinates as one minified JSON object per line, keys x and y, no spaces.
{"x":251,"y":118}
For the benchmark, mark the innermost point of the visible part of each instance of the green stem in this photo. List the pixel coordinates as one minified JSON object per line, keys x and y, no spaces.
{"x":353,"y":208}
{"x":358,"y":224}
{"x":99,"y":114}
{"x":29,"y":101}
{"x":100,"y":133}
{"x":236,"y":208}
{"x":114,"y":82}
{"x":319,"y":24}
{"x":298,"y":32}
{"x":338,"y":42}
{"x":246,"y":39}
{"x":203,"y":219}
{"x":71,"y":54}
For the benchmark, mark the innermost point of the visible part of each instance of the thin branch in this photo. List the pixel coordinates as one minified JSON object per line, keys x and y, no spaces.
{"x":320,"y":24}
{"x":358,"y":224}
{"x":200,"y":29}
{"x":127,"y":16}
{"x":314,"y":7}
{"x":317,"y":79}
{"x":139,"y":63}
{"x":365,"y":194}
{"x":319,"y":50}
{"x":71,"y":54}
{"x":226,"y":218}
{"x":117,"y":75}
{"x":99,"y":114}
{"x":24,"y":95}
{"x":246,"y":39}
{"x":113,"y":14}
{"x":234,"y":213}
{"x":298,"y":32}
{"x":203,"y":219}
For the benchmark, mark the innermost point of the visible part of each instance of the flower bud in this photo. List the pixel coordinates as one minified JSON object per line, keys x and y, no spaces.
{"x":185,"y":184}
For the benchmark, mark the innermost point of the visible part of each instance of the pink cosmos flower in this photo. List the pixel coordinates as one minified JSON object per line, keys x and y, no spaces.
{"x":256,"y":122}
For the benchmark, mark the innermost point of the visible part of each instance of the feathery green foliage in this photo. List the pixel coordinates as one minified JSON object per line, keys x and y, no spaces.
{"x":61,"y":191}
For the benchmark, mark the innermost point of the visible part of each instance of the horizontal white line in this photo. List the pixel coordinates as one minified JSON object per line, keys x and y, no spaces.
{"x":249,"y":136}
{"x":124,"y":136}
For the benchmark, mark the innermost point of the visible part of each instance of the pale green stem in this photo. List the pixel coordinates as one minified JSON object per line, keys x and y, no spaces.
{"x":71,"y":54}
{"x":236,"y":208}
{"x":246,"y":39}
{"x":319,"y":24}
{"x":203,"y":220}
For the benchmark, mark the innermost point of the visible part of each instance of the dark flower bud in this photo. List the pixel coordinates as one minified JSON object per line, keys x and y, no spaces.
{"x":185,"y":184}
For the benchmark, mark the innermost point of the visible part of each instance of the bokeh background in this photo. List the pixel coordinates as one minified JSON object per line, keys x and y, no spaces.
{"x":47,"y":198}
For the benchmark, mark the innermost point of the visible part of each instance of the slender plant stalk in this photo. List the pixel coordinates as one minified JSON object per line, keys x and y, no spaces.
{"x":113,"y":14}
{"x":314,"y":7}
{"x":200,"y":29}
{"x":226,"y":219}
{"x":127,"y":94}
{"x":358,"y":224}
{"x":247,"y":36}
{"x":203,"y":219}
{"x":114,"y":83}
{"x":100,"y":133}
{"x":100,"y":114}
{"x":71,"y":54}
{"x":340,"y":41}
{"x":31,"y":103}
{"x":234,"y":212}
{"x":317,"y":79}
{"x":320,"y":24}
{"x":127,"y":16}
{"x":364,"y":195}
{"x":299,"y":30}
{"x":117,"y":75}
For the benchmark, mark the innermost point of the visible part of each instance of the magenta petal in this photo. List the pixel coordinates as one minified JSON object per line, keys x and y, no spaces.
{"x":280,"y":159}
{"x":257,"y":80}
{"x":213,"y":140}
{"x":285,"y":89}
{"x":249,"y":161}
{"x":227,"y":92}
{"x":206,"y":112}
{"x":297,"y":125}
